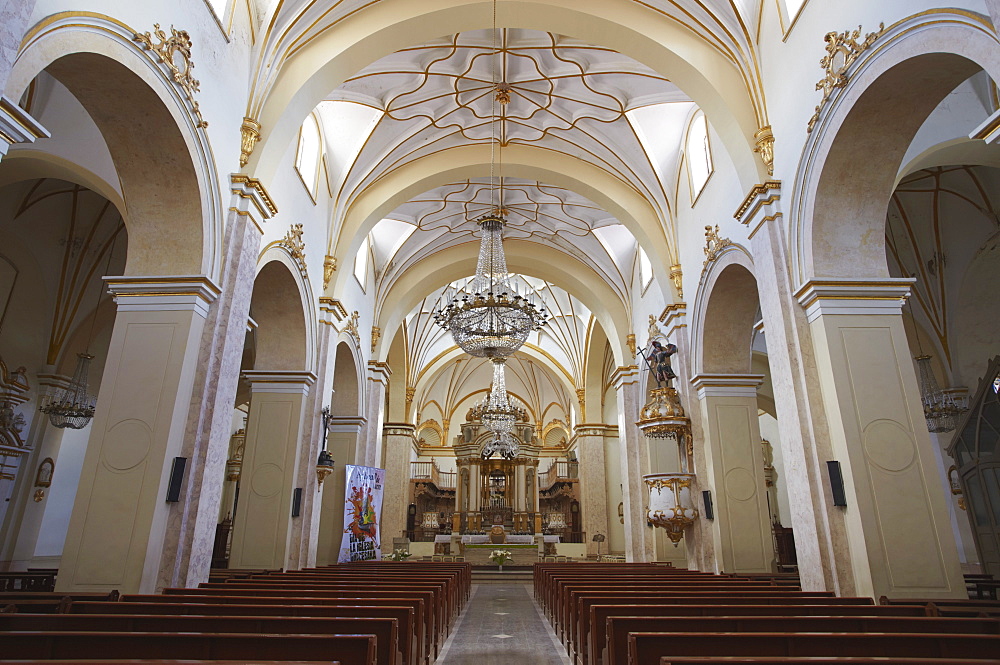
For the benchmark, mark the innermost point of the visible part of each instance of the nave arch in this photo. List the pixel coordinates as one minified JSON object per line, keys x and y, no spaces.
{"x":528,"y":258}
{"x":895,"y":88}
{"x":619,"y":199}
{"x":167,"y":173}
{"x":326,"y":61}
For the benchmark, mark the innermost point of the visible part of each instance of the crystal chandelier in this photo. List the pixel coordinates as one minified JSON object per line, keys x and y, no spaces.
{"x":941,"y":408}
{"x":72,"y":406}
{"x":488,"y":317}
{"x":499,"y":416}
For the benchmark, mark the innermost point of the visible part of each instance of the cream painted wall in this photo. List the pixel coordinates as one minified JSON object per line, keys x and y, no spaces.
{"x":769,"y":431}
{"x":62,"y":493}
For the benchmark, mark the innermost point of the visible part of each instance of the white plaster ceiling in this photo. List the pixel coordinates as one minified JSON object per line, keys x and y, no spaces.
{"x":565,"y":96}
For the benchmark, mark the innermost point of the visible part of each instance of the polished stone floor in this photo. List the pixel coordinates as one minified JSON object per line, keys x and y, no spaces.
{"x":502,"y":625}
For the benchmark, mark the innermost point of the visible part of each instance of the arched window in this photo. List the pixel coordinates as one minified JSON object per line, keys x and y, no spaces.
{"x":219,"y":7}
{"x":308,"y":156}
{"x":645,"y":270}
{"x":698,"y":155}
{"x":361,"y":262}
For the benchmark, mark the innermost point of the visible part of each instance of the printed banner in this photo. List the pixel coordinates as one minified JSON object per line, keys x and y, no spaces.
{"x":362,"y":510}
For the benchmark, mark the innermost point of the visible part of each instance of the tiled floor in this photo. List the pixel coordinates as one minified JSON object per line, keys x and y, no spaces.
{"x":502,"y":625}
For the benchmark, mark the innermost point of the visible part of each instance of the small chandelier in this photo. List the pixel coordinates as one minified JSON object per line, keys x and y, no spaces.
{"x":72,"y":406}
{"x":488,"y":317}
{"x":499,"y":416}
{"x":942,"y":408}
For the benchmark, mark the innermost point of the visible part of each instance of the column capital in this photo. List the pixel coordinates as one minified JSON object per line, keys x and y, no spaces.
{"x":399,"y":429}
{"x":379,"y":372}
{"x":674,"y":317}
{"x":760,"y":206}
{"x":348,"y":424}
{"x":626,"y":375}
{"x":594,"y":429}
{"x":16,"y":126}
{"x":166,"y":293}
{"x":845,"y":296}
{"x":251,"y":200}
{"x":727,"y":385}
{"x":331,"y":311}
{"x":266,"y":381}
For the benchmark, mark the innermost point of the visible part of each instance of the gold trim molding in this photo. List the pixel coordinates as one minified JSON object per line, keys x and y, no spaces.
{"x":249,"y":135}
{"x":296,"y":247}
{"x":842,"y":50}
{"x":174,"y":52}
{"x":765,"y":147}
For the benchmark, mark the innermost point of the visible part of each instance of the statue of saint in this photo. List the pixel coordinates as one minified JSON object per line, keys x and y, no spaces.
{"x":658,"y":359}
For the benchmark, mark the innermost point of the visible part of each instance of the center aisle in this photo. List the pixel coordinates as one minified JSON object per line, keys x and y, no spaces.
{"x":502,"y":625}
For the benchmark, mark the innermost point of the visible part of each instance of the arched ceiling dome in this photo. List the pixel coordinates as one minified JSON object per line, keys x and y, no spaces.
{"x":565,"y":96}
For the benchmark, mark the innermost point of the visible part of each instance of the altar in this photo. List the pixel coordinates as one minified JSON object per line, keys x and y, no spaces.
{"x":479,"y":554}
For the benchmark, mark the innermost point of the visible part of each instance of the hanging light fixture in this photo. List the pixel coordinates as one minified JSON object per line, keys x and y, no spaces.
{"x":941,"y":407}
{"x":500,"y":416}
{"x":488,"y":317}
{"x":73,"y":406}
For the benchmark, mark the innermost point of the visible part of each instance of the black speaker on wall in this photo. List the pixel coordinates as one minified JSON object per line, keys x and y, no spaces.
{"x":837,"y":484}
{"x":176,"y":478}
{"x":706,"y":497}
{"x":297,"y":502}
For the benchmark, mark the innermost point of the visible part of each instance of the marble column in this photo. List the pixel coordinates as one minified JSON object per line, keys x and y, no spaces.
{"x":343,"y":441}
{"x":119,"y":523}
{"x":190,"y":537}
{"x":593,"y":481}
{"x":898,"y":536}
{"x":378,"y":384}
{"x":400,"y":445}
{"x":734,"y":471}
{"x":262,"y":529}
{"x":634,"y":465}
{"x":805,"y":444}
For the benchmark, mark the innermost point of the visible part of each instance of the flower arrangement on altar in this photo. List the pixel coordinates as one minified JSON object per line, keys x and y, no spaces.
{"x":500,"y":557}
{"x":398,"y":555}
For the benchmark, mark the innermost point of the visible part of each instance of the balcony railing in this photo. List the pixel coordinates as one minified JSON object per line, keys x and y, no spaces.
{"x":559,"y":470}
{"x":430,"y":471}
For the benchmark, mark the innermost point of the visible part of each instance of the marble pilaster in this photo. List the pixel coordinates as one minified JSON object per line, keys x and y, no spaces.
{"x":593,"y":481}
{"x":378,"y":384}
{"x":14,"y":18}
{"x":898,"y":536}
{"x":801,"y":419}
{"x":262,"y":529}
{"x":734,"y":471}
{"x":634,"y":465}
{"x":190,"y":537}
{"x":119,"y":525}
{"x":400,"y":444}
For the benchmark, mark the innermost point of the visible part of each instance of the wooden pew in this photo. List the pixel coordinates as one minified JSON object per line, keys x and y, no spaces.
{"x":348,"y":649}
{"x":410,"y":635}
{"x":573,"y":610}
{"x":422,"y":618}
{"x":386,"y":631}
{"x":618,"y":628}
{"x":157,"y":661}
{"x":649,"y":648}
{"x":438,"y":611}
{"x":818,"y":660}
{"x":593,"y":642}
